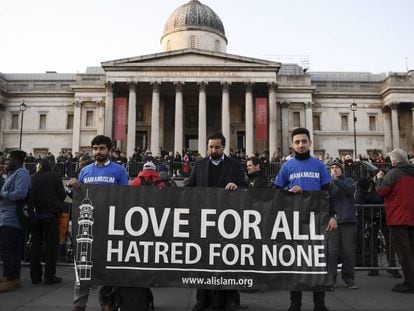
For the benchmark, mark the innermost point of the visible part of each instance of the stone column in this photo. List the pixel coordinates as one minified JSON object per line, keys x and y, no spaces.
{"x":386,"y":115}
{"x":394,"y":124}
{"x":100,"y":126}
{"x":202,"y":119}
{"x":412,"y":126}
{"x":132,"y":119}
{"x":225,"y":115}
{"x":286,"y":141}
{"x":109,"y":109}
{"x":178,"y":129}
{"x":155,"y":118}
{"x":76,"y":126}
{"x":272,"y":119}
{"x":309,"y":122}
{"x":249,"y":113}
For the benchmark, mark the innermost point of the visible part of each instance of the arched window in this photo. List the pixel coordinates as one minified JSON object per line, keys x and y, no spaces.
{"x":217,"y":46}
{"x":193,"y":42}
{"x":168,"y":45}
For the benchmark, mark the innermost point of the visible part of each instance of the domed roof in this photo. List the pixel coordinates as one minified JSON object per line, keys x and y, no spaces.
{"x":194,"y":16}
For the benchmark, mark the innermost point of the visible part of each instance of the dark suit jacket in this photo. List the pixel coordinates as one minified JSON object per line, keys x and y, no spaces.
{"x":231,"y":171}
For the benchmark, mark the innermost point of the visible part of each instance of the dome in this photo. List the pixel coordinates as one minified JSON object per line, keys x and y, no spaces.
{"x":194,"y":16}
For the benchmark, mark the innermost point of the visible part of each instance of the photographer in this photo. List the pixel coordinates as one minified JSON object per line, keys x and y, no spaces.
{"x":396,"y":187}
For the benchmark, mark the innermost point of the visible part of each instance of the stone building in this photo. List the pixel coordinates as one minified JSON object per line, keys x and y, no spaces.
{"x":173,"y":99}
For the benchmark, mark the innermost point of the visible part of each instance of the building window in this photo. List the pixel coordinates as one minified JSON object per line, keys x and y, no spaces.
{"x":14,"y":121}
{"x":217,"y":46}
{"x":42,"y":121}
{"x":69,"y":122}
{"x":168,"y":45}
{"x":89,"y":118}
{"x":372,"y":123}
{"x":316,"y":120}
{"x":344,"y":123}
{"x":140,"y":113}
{"x":193,"y":42}
{"x":296,"y":119}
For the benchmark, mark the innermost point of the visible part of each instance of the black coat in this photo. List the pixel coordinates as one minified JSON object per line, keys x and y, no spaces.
{"x":47,"y":193}
{"x":258,"y":180}
{"x":231,"y":171}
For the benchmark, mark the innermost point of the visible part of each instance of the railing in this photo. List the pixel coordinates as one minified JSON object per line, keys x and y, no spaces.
{"x":183,"y":169}
{"x":375,"y":244}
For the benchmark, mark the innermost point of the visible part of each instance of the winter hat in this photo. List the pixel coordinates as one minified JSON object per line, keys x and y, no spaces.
{"x":338,"y":164}
{"x":149,"y":166}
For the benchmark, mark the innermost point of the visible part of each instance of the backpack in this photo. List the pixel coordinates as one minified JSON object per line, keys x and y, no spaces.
{"x":150,"y":182}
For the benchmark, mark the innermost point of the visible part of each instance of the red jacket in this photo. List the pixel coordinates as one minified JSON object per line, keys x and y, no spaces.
{"x":150,"y":176}
{"x":397,"y":188}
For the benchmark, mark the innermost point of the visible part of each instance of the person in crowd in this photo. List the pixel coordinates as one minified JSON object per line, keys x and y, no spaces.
{"x":30,"y":158}
{"x":344,"y":239}
{"x":302,"y":162}
{"x":117,"y":175}
{"x":374,"y":221}
{"x":12,"y":195}
{"x":177,"y":165}
{"x":348,"y":166}
{"x":148,"y":176}
{"x":46,"y":196}
{"x":217,"y":170}
{"x":396,"y":187}
{"x":255,"y":175}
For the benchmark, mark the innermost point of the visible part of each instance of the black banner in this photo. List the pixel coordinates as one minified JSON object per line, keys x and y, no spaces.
{"x":201,"y":237}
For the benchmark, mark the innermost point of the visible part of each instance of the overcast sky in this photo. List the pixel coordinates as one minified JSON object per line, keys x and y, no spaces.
{"x":334,"y":35}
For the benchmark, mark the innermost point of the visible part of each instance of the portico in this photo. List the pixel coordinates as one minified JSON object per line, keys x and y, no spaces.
{"x":183,"y":96}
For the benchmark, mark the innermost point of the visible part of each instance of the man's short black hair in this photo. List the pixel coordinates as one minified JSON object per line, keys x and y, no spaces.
{"x":18,"y":155}
{"x":102,"y":140}
{"x":218,"y":135}
{"x":300,"y":130}
{"x":255,"y":160}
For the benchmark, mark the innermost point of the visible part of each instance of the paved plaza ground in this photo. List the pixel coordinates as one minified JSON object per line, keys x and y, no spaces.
{"x":374,"y":294}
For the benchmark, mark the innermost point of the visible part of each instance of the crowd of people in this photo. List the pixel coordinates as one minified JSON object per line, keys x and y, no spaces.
{"x":35,"y":202}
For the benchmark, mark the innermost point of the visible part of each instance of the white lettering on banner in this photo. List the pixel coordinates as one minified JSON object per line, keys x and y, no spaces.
{"x":287,"y":254}
{"x":178,"y":222}
{"x":296,"y":227}
{"x":281,"y":225}
{"x":158,"y":252}
{"x":111,"y":223}
{"x":248,"y":223}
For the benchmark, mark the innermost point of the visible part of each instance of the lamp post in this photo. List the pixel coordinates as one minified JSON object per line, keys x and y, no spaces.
{"x":354,"y":109}
{"x":23,"y":107}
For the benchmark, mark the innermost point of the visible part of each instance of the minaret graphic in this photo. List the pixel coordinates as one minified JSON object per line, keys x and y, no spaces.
{"x":84,"y":240}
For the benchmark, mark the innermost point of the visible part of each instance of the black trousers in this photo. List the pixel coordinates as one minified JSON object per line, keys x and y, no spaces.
{"x":217,"y":299}
{"x":47,"y":229}
{"x":11,"y":249}
{"x":404,"y":242}
{"x":318,"y":298}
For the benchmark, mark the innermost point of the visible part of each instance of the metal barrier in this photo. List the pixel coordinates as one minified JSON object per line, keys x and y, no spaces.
{"x":183,"y":169}
{"x":375,"y":245}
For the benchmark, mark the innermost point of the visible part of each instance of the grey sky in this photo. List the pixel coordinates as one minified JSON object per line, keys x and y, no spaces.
{"x":336,"y":35}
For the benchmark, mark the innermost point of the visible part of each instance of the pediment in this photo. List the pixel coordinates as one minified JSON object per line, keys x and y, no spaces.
{"x":189,"y":58}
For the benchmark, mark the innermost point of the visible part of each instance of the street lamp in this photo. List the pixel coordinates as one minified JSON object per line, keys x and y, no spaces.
{"x":354,"y":109}
{"x":23,"y":107}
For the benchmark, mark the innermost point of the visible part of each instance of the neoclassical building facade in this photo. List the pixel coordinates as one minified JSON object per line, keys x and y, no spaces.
{"x":173,"y":99}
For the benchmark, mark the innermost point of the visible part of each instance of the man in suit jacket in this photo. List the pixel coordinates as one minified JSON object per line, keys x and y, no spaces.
{"x":219,"y":171}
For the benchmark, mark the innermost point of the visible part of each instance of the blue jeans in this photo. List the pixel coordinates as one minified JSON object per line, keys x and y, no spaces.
{"x":11,"y":249}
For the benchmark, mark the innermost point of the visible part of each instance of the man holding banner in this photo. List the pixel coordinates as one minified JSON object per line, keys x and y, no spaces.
{"x":217,"y":170}
{"x":305,"y":173}
{"x":102,"y":172}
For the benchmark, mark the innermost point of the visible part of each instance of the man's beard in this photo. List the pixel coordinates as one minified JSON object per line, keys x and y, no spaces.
{"x":101,"y":158}
{"x":216,"y":156}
